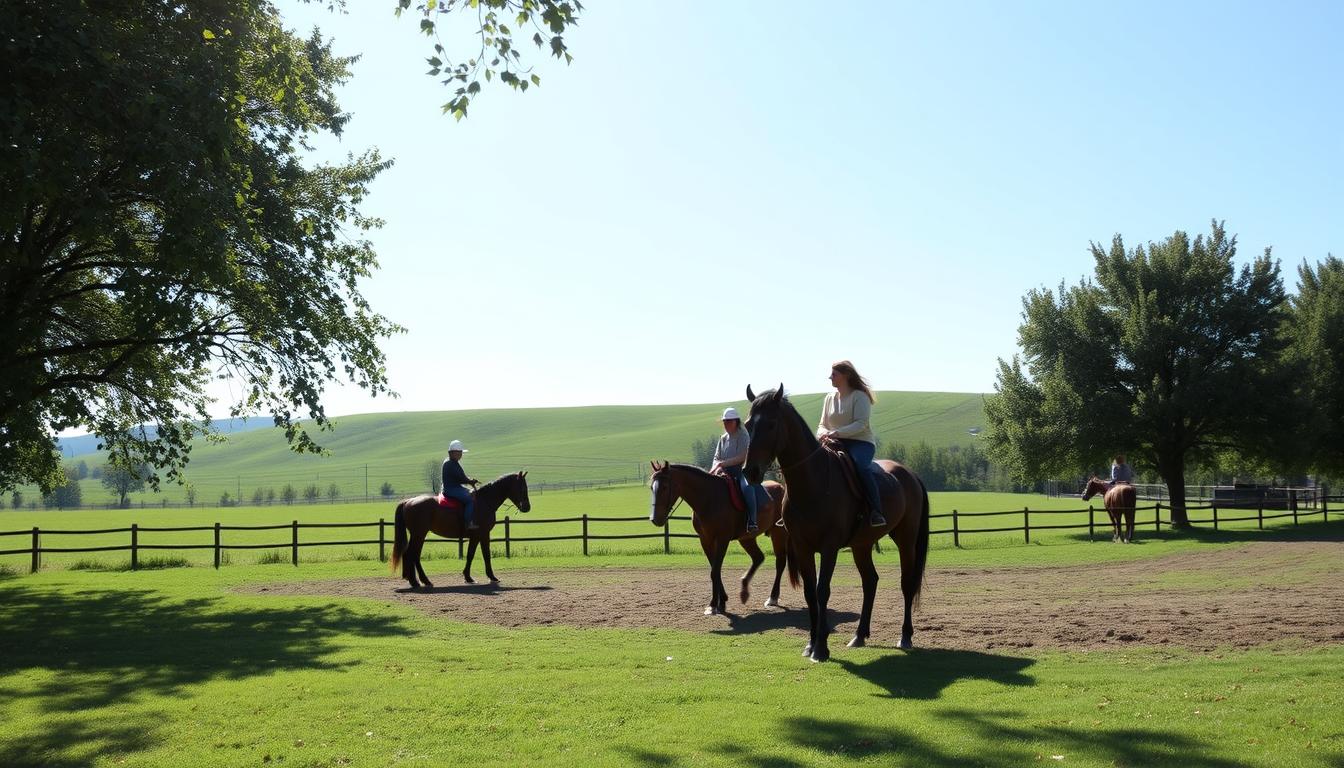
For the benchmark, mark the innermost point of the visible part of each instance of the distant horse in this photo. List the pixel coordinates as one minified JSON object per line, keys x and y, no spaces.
{"x":719,"y":523}
{"x":823,"y":514}
{"x":1119,"y":501}
{"x":419,"y":515}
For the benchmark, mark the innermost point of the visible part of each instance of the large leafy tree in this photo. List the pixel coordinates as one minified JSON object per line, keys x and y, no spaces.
{"x":1171,"y":355}
{"x":160,"y":225}
{"x":1317,"y":332}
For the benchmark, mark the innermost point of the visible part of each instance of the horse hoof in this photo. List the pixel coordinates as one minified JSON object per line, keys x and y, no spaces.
{"x":711,"y":611}
{"x":771,"y":602}
{"x":807,"y":650}
{"x":468,"y":579}
{"x":428,"y":585}
{"x":906,"y":644}
{"x":857,"y":642}
{"x":745,"y":595}
{"x":494,"y":580}
{"x":822,"y":655}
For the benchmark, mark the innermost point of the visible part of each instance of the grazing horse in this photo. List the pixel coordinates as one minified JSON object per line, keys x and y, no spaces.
{"x":719,"y":523}
{"x":1119,"y":501}
{"x":419,"y":515}
{"x":823,"y":514}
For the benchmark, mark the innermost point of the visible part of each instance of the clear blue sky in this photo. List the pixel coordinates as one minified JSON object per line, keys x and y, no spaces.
{"x":721,"y":193}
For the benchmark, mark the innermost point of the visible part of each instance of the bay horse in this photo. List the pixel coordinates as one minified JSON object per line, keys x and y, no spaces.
{"x":419,"y":515}
{"x":719,"y":524}
{"x":1119,"y":500}
{"x":823,"y":514}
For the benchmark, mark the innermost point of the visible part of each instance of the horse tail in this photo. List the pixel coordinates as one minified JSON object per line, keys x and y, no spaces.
{"x":914,"y":583}
{"x":399,"y":539}
{"x":795,"y":577}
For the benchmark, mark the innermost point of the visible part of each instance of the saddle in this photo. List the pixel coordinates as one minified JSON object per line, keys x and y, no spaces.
{"x":735,"y":494}
{"x":449,"y":503}
{"x":850,"y":472}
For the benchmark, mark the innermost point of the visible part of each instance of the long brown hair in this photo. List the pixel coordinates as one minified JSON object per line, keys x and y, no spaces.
{"x":853,"y":378}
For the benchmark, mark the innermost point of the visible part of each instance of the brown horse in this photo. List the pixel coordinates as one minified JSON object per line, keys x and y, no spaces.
{"x":719,"y":523}
{"x":823,"y":514}
{"x":1119,"y":501}
{"x":419,"y":515}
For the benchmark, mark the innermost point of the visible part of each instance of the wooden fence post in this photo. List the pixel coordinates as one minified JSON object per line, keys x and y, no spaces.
{"x":1260,"y":517}
{"x":585,"y":534}
{"x":37,"y":550}
{"x":956,"y":531}
{"x":382,"y":542}
{"x":507,"y":547}
{"x":1215,"y":518}
{"x":294,"y":544}
{"x":1157,"y":518}
{"x":216,"y":546}
{"x":135,"y":546}
{"x":1091,"y":522}
{"x":1293,"y":504}
{"x":667,"y":536}
{"x":1026,"y":523}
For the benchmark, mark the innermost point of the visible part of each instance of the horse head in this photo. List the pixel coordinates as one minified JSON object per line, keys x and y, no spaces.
{"x":768,"y":432}
{"x":662,"y":495}
{"x":1095,"y":485}
{"x":517,"y":491}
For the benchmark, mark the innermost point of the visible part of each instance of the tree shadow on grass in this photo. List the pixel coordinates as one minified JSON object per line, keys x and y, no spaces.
{"x":993,"y":739}
{"x":107,"y":647}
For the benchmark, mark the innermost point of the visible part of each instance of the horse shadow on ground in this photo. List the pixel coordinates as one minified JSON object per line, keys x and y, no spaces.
{"x":485,"y":588}
{"x":100,"y":648}
{"x":996,"y":739}
{"x":765,"y":620}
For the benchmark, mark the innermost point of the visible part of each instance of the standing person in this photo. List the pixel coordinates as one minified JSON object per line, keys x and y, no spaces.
{"x":729,"y":454}
{"x":1120,"y":471}
{"x":454,"y":477}
{"x":844,"y":417}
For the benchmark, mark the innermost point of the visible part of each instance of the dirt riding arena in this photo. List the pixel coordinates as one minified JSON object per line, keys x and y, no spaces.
{"x":1256,"y":594}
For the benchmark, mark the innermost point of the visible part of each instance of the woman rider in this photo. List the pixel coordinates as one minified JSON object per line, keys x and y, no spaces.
{"x":729,"y":454}
{"x":844,"y":417}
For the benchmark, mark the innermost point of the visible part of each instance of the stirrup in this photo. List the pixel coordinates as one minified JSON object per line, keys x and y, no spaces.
{"x":876,"y":520}
{"x":753,"y":528}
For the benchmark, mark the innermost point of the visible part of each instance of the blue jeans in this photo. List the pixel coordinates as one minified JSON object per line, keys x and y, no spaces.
{"x":464,"y":496}
{"x":748,"y":492}
{"x":862,"y":453}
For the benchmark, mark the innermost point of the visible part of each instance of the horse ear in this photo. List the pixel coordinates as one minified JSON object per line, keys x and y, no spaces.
{"x":654,"y":464}
{"x":779,"y":393}
{"x":750,"y":395}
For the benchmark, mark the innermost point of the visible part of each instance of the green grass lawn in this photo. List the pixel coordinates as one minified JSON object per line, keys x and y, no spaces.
{"x":172,"y":668}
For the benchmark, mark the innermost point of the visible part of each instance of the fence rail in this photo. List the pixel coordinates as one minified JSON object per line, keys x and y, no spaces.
{"x":36,"y":549}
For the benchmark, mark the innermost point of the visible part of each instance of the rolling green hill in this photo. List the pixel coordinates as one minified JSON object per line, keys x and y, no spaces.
{"x":556,"y":445}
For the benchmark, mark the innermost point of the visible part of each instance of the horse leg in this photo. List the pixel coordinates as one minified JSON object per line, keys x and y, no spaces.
{"x":1115,"y":525}
{"x":1129,"y":525}
{"x":863,"y":560}
{"x":910,"y":585}
{"x":781,"y":562}
{"x":757,"y":557}
{"x":807,"y":570}
{"x":413,"y":559}
{"x":708,"y":548}
{"x":820,"y":650}
{"x":471,"y":553}
{"x":720,"y":594}
{"x":485,"y":555}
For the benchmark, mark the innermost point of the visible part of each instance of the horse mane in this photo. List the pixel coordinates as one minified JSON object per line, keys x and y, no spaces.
{"x":799,"y":422}
{"x":692,"y":468}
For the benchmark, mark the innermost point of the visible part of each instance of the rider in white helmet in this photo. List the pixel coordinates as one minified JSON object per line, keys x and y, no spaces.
{"x":729,"y":454}
{"x":454,"y":477}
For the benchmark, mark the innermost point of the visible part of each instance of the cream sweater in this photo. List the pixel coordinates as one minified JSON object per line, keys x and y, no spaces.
{"x":848,"y":416}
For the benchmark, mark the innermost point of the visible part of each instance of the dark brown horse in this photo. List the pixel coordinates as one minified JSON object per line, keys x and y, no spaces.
{"x":1119,"y":501}
{"x":419,"y":515}
{"x":719,"y":524}
{"x":823,"y":514}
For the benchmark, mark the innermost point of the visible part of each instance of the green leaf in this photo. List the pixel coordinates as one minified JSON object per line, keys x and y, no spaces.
{"x":536,"y":79}
{"x":207,"y":34}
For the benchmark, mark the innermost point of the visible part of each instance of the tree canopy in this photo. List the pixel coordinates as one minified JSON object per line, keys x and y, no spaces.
{"x":160,"y":225}
{"x":1317,"y":333}
{"x":1171,"y":355}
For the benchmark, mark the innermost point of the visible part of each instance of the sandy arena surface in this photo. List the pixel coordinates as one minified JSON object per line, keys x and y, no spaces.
{"x":1265,"y":592}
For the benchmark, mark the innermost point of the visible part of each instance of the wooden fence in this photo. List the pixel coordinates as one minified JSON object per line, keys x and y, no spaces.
{"x":1095,"y":518}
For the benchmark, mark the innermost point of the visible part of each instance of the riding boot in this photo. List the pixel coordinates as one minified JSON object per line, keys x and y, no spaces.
{"x":875,"y":518}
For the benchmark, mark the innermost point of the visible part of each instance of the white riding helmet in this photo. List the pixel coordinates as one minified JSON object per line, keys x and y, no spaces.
{"x":456,"y":445}
{"x":730,"y":413}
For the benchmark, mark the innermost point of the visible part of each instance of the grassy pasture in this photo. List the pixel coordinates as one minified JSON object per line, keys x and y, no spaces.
{"x":616,"y":501}
{"x":172,"y":667}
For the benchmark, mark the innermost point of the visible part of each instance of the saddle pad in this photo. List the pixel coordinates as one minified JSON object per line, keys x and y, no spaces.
{"x":447,"y":503}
